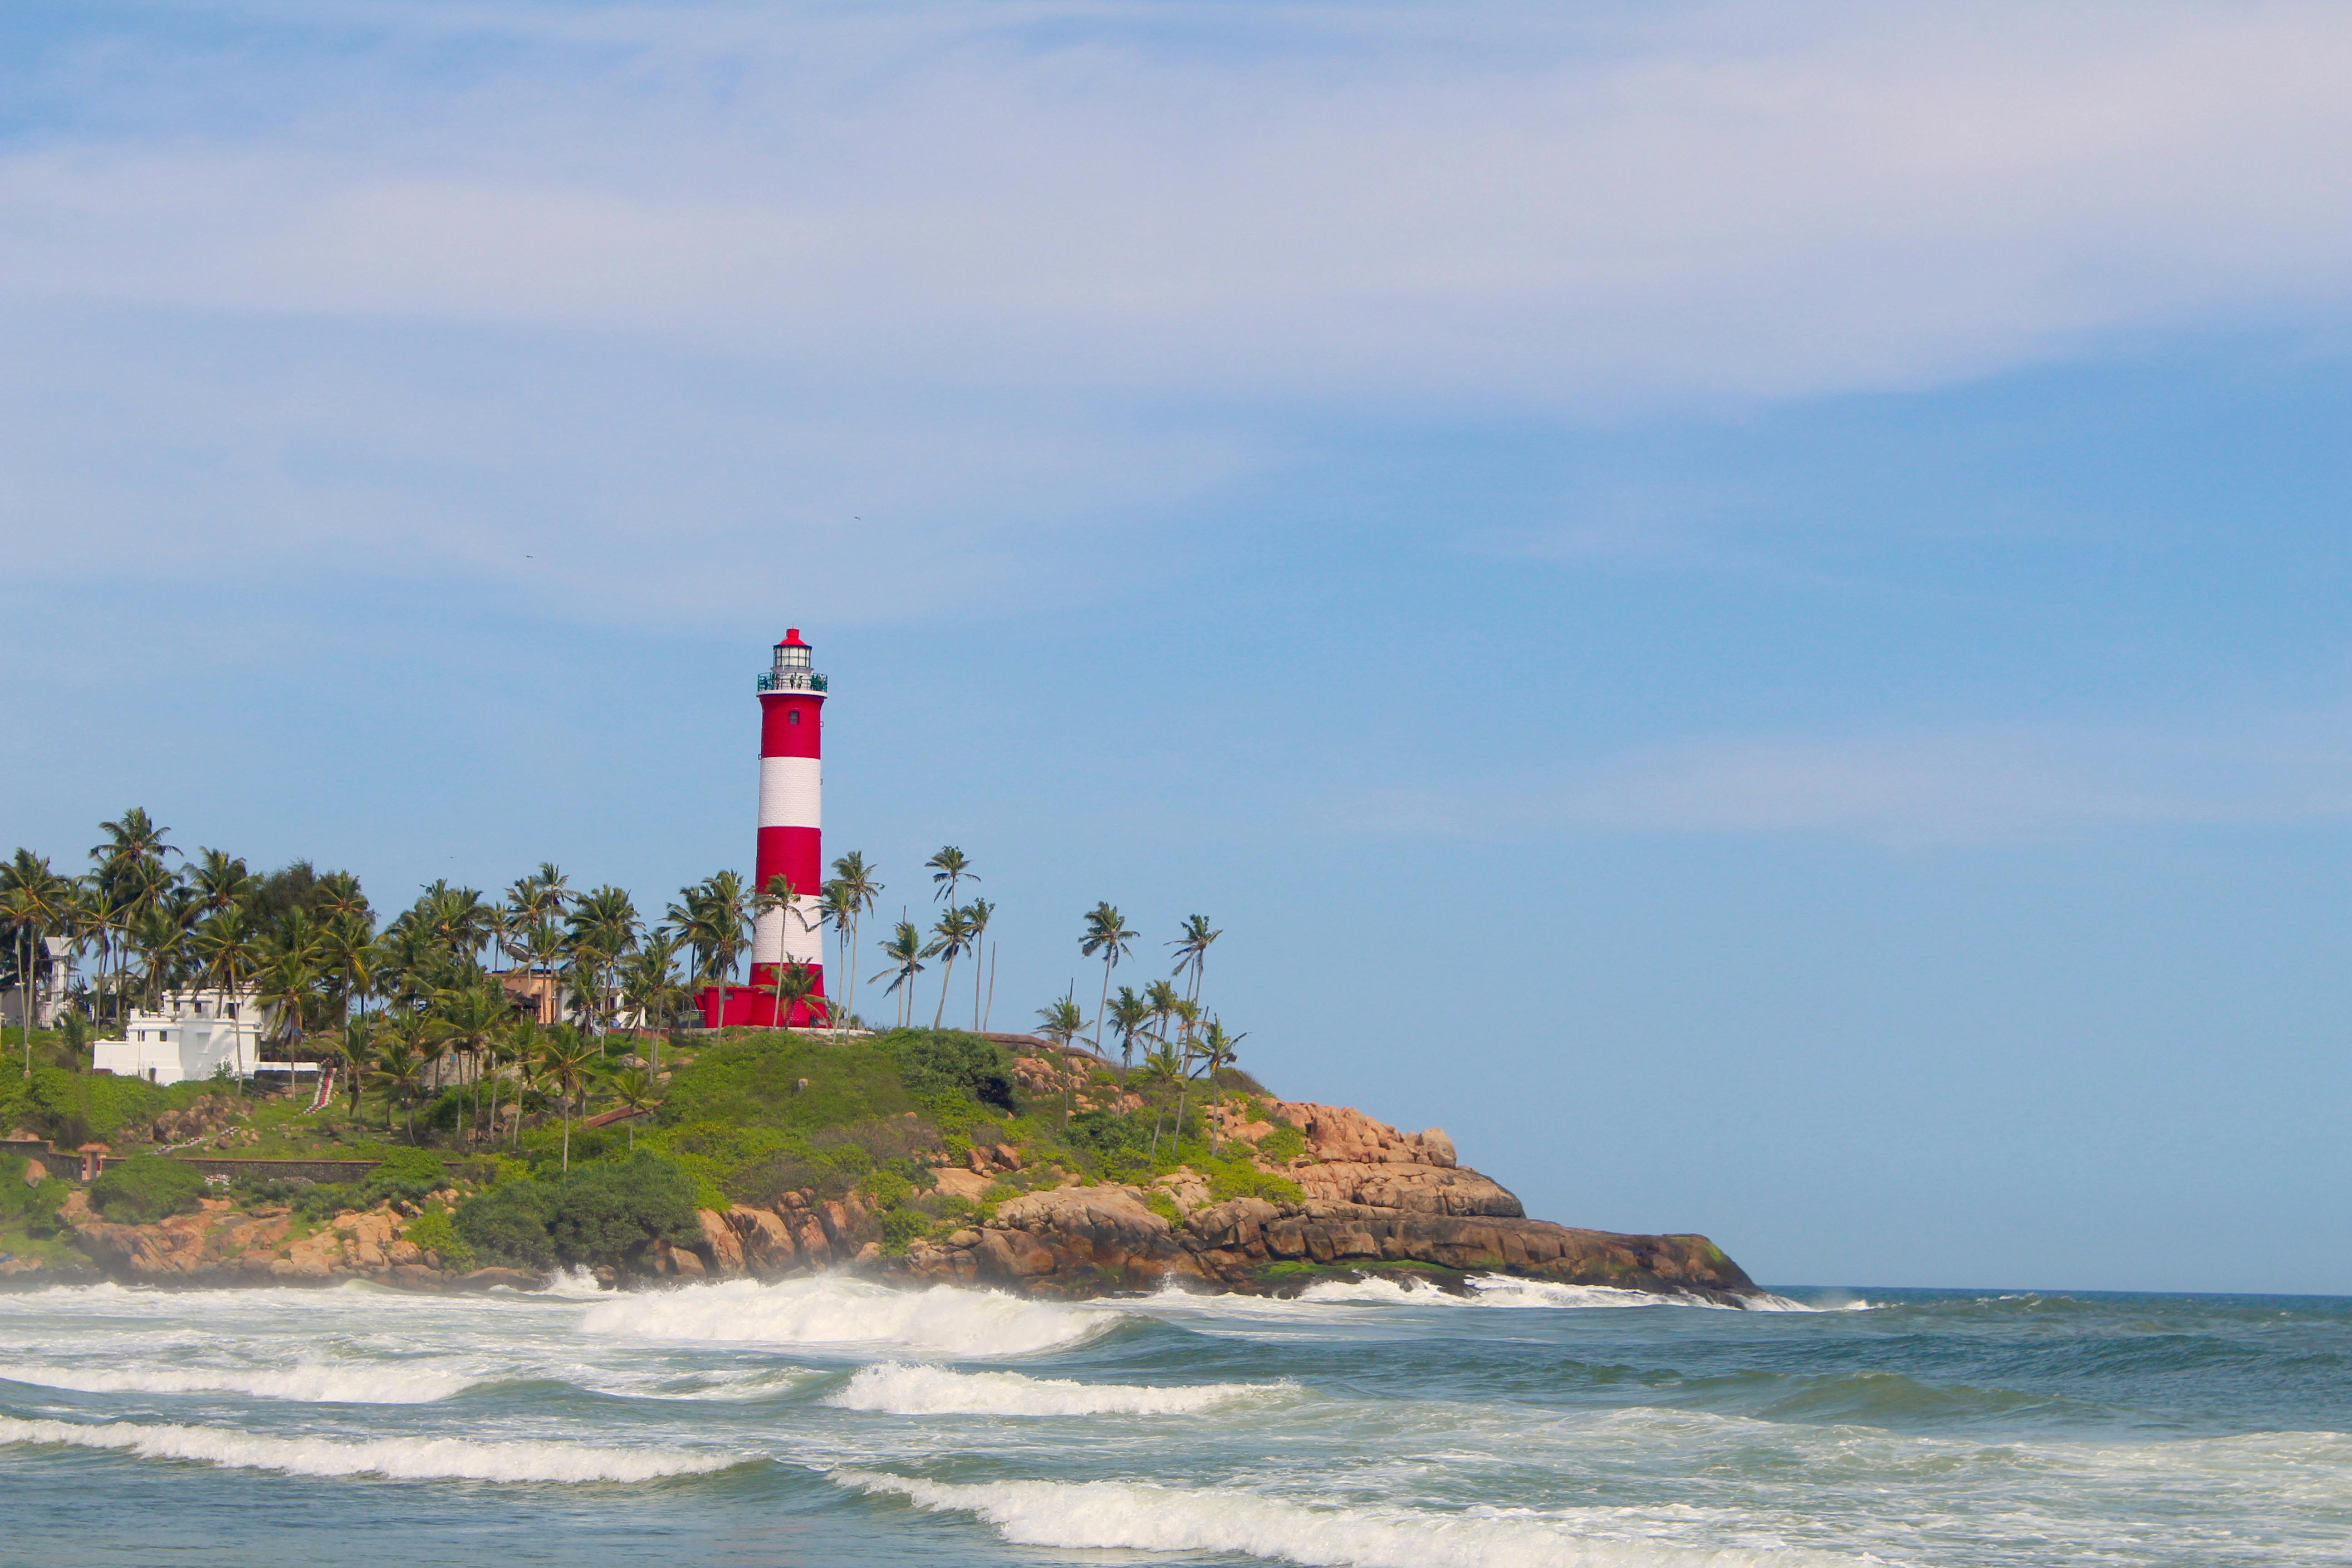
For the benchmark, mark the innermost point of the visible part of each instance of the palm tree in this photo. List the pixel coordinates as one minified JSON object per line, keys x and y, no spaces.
{"x":566,"y":1058}
{"x":649,"y":983}
{"x":36,"y":902}
{"x":401,"y":1067}
{"x":1128,"y":1014}
{"x":1062,"y":1022}
{"x":1188,"y":1018}
{"x":355,"y":1051}
{"x":220,"y":879}
{"x":795,"y":989}
{"x":904,"y":951}
{"x":780,"y":899}
{"x":837,"y":907}
{"x":1161,"y":1068}
{"x":977,"y":913}
{"x":1107,"y":934}
{"x":133,"y":851}
{"x":1192,"y":952}
{"x":634,"y":1088}
{"x":710,"y":915}
{"x":470,"y":1016}
{"x":288,"y":986}
{"x":604,"y":926}
{"x":1216,"y":1050}
{"x":948,"y":867}
{"x":859,"y":890}
{"x":950,"y":938}
{"x":226,"y":954}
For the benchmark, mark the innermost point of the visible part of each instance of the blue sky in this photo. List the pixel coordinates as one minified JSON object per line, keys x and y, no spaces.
{"x":1742,"y":606}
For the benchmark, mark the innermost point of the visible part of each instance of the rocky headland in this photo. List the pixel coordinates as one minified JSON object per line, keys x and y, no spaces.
{"x":1371,"y":1200}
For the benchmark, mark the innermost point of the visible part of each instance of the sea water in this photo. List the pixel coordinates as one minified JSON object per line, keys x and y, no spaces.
{"x":830,"y":1421}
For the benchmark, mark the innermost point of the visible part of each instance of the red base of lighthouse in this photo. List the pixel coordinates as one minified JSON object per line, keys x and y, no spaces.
{"x":750,"y":1008}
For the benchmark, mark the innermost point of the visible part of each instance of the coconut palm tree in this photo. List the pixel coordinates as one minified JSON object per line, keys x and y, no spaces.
{"x":1062,"y":1022}
{"x":220,"y":879}
{"x":354,"y":1052}
{"x":288,"y":985}
{"x":951,"y":937}
{"x":134,"y":850}
{"x":948,"y":867}
{"x":470,"y":1017}
{"x":1192,"y":952}
{"x":401,"y":1066}
{"x":227,"y":954}
{"x":860,"y":889}
{"x":904,"y":951}
{"x":603,"y":925}
{"x":1128,"y":1014}
{"x":977,"y":913}
{"x":837,"y":907}
{"x":780,"y":899}
{"x":1107,"y":934}
{"x":649,"y":983}
{"x":1216,"y":1051}
{"x":1162,"y":1069}
{"x":566,"y":1058}
{"x":796,"y":990}
{"x":634,"y":1088}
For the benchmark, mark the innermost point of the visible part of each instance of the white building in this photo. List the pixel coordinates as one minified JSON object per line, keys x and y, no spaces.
{"x":54,"y":963}
{"x":194,"y":1035}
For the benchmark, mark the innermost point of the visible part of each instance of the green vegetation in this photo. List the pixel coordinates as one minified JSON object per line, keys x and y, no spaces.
{"x":603,"y":1214}
{"x":147,"y":1188}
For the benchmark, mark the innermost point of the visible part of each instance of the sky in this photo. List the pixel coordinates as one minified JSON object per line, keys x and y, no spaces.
{"x":1741,"y":604}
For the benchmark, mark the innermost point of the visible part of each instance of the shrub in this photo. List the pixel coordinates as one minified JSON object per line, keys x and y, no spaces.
{"x":610,"y":1214}
{"x":935,"y":1061}
{"x":407,"y":1174}
{"x":888,"y":1188}
{"x":143,"y":1190}
{"x":434,"y":1231}
{"x":1285,"y":1143}
{"x":1240,"y":1179}
{"x":508,"y":1224}
{"x":900,"y":1227}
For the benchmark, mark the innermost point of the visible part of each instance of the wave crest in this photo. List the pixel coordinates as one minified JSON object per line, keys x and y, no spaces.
{"x":312,"y":1383}
{"x":934,"y":1391}
{"x":1109,"y":1515}
{"x":400,"y":1459}
{"x":832,"y":1312}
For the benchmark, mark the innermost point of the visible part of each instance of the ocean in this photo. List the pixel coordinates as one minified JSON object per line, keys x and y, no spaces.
{"x":828,"y":1421}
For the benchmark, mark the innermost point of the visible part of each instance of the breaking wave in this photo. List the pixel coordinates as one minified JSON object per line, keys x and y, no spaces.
{"x":1107,"y":1515}
{"x":1510,"y":1291}
{"x":314,"y":1384}
{"x":829,"y":1312}
{"x":933,"y":1391}
{"x":400,"y":1459}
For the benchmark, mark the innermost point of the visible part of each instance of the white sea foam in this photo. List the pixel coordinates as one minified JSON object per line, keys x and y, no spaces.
{"x":351,"y":1383}
{"x":1108,"y":1515}
{"x":402,"y":1458}
{"x":934,"y":1391}
{"x":832,"y":1311}
{"x":1510,"y":1291}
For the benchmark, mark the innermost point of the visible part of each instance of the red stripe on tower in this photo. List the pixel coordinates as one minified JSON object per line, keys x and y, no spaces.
{"x":791,"y":794}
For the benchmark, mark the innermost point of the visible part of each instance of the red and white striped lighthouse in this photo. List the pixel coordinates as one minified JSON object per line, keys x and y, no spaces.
{"x":792,"y":794}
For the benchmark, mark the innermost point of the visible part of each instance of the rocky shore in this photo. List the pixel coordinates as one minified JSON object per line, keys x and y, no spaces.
{"x":1374,"y":1200}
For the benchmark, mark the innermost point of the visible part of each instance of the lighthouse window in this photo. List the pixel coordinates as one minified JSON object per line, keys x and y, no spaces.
{"x":794,"y":717}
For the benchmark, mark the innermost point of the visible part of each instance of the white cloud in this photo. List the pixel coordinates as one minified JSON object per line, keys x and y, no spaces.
{"x":1988,"y":785}
{"x":412,"y":288}
{"x":1395,"y":204}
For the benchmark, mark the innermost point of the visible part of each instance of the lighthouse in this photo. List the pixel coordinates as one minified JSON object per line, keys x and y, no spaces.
{"x":791,"y":793}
